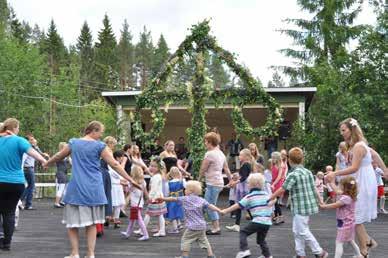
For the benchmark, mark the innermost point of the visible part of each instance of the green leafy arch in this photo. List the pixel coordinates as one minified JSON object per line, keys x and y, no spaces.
{"x":198,"y":92}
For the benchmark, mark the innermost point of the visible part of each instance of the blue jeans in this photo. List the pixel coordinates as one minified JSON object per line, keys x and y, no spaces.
{"x":211,"y":196}
{"x":29,"y":174}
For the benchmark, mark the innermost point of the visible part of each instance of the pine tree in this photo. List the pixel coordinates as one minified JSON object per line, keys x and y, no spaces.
{"x":85,"y":51}
{"x":277,"y":81}
{"x":323,"y":38}
{"x":106,"y":55}
{"x":161,"y":54}
{"x":54,"y":48}
{"x":126,"y":56}
{"x":38,"y":37}
{"x":144,"y":55}
{"x":21,"y":31}
{"x":218,"y":73}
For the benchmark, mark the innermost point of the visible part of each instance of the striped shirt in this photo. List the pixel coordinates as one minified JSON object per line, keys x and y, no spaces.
{"x":257,"y":203}
{"x":300,"y":183}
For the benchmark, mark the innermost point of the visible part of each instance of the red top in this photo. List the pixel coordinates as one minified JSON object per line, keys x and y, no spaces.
{"x":275,"y":174}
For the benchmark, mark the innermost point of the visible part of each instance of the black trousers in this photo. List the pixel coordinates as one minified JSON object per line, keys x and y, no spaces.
{"x":9,"y":197}
{"x":261,"y":231}
{"x":278,"y":209}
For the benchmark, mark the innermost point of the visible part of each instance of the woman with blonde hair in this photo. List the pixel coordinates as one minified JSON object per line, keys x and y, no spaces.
{"x":361,"y":158}
{"x":12,"y":148}
{"x":255,"y":153}
{"x":85,"y":197}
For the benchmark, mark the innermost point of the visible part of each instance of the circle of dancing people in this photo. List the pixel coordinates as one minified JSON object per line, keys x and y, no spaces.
{"x":106,"y":182}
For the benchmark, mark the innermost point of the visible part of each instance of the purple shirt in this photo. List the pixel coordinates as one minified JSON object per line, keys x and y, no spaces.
{"x":193,"y":206}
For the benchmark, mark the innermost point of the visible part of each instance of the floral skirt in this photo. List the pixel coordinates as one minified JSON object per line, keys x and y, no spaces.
{"x":156,"y":209}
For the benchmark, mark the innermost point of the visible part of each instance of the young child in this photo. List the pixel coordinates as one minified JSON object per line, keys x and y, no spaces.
{"x":304,"y":202}
{"x":277,"y":182}
{"x":137,"y":202}
{"x":319,"y":184}
{"x":117,"y":182}
{"x":174,"y":209}
{"x":330,"y":191}
{"x":345,"y":205}
{"x":156,"y":208}
{"x":380,"y":188}
{"x":246,"y":165}
{"x":257,"y":202}
{"x":341,"y":157}
{"x":268,"y":177}
{"x":193,"y":207}
{"x":232,"y":193}
{"x":61,"y":177}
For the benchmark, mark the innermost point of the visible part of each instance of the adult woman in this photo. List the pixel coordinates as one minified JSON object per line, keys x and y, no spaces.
{"x":211,"y":168}
{"x":255,"y":153}
{"x":111,"y":143}
{"x":12,"y":148}
{"x":169,"y":156}
{"x":85,"y":197}
{"x":136,"y":157}
{"x":361,"y":166}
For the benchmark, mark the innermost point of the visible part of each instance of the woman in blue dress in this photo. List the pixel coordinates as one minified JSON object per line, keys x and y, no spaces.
{"x":85,"y":196}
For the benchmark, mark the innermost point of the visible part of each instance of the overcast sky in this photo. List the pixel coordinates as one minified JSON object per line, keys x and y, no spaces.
{"x":245,"y":27}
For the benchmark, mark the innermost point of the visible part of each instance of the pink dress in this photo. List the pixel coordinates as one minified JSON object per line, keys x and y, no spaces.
{"x":275,"y":173}
{"x":346,"y":219}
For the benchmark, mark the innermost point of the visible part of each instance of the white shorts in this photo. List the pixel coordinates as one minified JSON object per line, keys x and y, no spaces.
{"x":60,"y":188}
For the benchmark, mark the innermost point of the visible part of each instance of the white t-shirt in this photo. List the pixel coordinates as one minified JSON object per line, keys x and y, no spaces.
{"x":136,"y":195}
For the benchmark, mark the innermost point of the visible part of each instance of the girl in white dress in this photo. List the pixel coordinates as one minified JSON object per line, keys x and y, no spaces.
{"x":361,"y":166}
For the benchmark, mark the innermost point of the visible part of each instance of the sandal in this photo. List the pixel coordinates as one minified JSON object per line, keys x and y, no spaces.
{"x":372,"y":244}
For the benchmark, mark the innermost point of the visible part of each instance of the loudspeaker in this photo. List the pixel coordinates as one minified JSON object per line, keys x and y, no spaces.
{"x":284,"y":130}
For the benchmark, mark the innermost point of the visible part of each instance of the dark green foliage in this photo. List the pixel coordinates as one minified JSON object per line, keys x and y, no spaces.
{"x":106,"y":56}
{"x":126,"y":55}
{"x":144,"y":57}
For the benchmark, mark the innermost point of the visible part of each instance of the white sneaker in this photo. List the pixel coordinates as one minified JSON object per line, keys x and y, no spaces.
{"x":235,"y":228}
{"x":243,"y":254}
{"x":72,"y":256}
{"x":383,"y":211}
{"x":124,"y":234}
{"x":159,"y":234}
{"x":138,"y":232}
{"x":143,"y":238}
{"x":262,"y":256}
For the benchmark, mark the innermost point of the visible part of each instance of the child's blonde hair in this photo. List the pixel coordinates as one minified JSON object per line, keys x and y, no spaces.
{"x":258,"y":168}
{"x":256,"y":180}
{"x":248,"y":155}
{"x":137,"y":174}
{"x":269,"y":164}
{"x":61,"y":145}
{"x":160,"y":165}
{"x":276,"y":158}
{"x":349,"y":187}
{"x":174,"y":173}
{"x":320,"y":173}
{"x":194,"y":187}
{"x":342,"y":145}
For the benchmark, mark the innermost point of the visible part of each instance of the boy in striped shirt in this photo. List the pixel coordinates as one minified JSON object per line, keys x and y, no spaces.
{"x":257,"y":203}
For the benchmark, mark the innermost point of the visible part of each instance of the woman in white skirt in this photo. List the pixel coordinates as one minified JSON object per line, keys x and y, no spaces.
{"x":118,"y":199}
{"x":85,"y":197}
{"x":361,"y":165}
